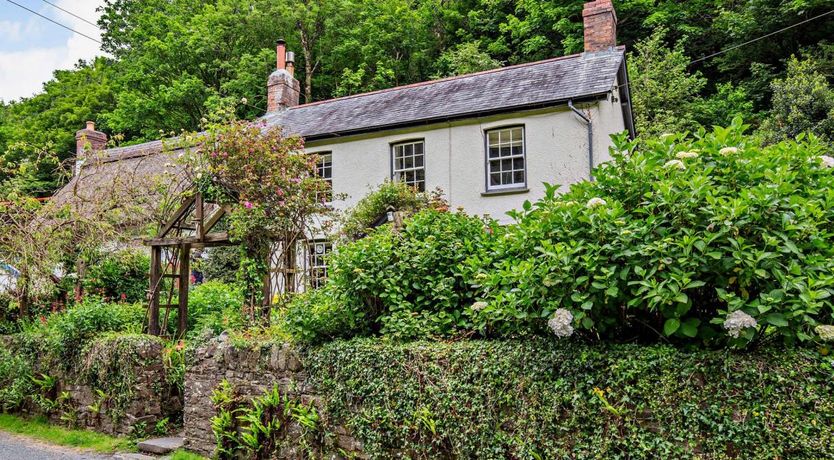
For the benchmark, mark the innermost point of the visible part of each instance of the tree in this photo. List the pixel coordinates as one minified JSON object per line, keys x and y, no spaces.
{"x":803,"y":101}
{"x":463,"y":59}
{"x":662,"y":88}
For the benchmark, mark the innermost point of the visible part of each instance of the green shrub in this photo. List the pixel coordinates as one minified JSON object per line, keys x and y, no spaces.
{"x":545,"y":399}
{"x":64,"y":334}
{"x":119,"y":275}
{"x":317,"y":315}
{"x":671,"y":240}
{"x":391,"y":194}
{"x":15,"y":380}
{"x":403,"y":283}
{"x":215,"y":306}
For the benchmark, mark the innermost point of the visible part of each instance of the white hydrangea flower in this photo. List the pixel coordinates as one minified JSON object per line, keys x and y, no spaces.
{"x":827,"y":161}
{"x":685,"y":155}
{"x":478,"y":306}
{"x":677,"y":164}
{"x":728,"y":151}
{"x":825,"y":332}
{"x":595,"y":202}
{"x":560,"y":324}
{"x":738,"y":321}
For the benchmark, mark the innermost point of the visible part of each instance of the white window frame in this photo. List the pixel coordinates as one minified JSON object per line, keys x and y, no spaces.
{"x":325,"y":162}
{"x":317,"y":262}
{"x":510,"y":143}
{"x":399,"y":170}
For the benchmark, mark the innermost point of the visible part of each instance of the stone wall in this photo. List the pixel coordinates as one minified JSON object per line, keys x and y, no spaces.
{"x":252,"y":370}
{"x":135,"y":390}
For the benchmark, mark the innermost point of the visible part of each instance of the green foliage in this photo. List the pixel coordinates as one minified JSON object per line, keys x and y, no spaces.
{"x":258,"y":428}
{"x":357,"y":222}
{"x":40,"y":428}
{"x":404,"y":283}
{"x":538,"y":398}
{"x":316,"y":315}
{"x":215,"y":306}
{"x":802,"y":102}
{"x":66,"y":333}
{"x":118,"y":275}
{"x":671,"y":239}
{"x":15,"y":380}
{"x":463,"y":59}
{"x":220,"y":264}
{"x":663,"y":90}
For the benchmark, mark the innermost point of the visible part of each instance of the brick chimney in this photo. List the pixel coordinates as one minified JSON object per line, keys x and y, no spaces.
{"x":283,"y":90}
{"x":600,"y":26}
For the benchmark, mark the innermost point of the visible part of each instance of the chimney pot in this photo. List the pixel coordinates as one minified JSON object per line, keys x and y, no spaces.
{"x":281,"y":54}
{"x":91,"y":125}
{"x":600,"y":20}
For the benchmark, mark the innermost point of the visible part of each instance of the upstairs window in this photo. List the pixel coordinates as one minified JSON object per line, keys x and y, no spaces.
{"x":505,"y":162}
{"x":317,"y":252}
{"x":409,"y":164}
{"x":324,"y":169}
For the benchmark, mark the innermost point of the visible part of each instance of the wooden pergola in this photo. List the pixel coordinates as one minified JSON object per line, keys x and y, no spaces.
{"x":191,"y":227}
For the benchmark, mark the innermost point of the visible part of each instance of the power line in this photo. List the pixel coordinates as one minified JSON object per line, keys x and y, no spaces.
{"x":54,"y":21}
{"x":71,"y":14}
{"x":760,"y":38}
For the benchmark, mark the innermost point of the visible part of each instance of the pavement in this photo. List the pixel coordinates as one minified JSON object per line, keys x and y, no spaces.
{"x":14,"y":447}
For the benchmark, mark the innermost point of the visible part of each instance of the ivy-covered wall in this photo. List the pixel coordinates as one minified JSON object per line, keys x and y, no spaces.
{"x":531,"y":399}
{"x":116,"y":383}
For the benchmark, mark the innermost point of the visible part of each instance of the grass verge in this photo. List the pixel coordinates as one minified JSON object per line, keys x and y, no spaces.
{"x":39,"y":428}
{"x":185,"y":455}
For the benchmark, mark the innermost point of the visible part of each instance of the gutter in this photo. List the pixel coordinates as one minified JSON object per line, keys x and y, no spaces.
{"x":590,"y":137}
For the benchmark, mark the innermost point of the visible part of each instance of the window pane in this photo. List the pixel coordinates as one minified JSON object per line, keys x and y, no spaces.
{"x":518,"y":177}
{"x":505,"y":151}
{"x":495,"y":179}
{"x":418,"y":161}
{"x":518,"y":163}
{"x":493,"y":152}
{"x":506,"y":178}
{"x":516,"y":134}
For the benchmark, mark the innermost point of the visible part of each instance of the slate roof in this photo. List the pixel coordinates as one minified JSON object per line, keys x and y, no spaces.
{"x":537,"y":84}
{"x":506,"y":89}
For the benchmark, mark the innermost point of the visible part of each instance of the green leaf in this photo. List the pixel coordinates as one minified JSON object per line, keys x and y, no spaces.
{"x":776,"y":319}
{"x":689,"y":327}
{"x":671,"y":326}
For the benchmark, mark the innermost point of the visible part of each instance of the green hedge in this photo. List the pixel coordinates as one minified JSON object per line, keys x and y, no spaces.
{"x":543,"y":399}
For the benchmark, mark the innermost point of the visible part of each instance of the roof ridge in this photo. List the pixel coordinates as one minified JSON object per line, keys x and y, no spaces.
{"x":455,"y":77}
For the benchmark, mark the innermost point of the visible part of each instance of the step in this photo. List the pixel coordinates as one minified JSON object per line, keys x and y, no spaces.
{"x":160,"y":446}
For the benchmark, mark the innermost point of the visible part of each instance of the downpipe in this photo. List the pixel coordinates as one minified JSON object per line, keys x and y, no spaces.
{"x":590,"y":137}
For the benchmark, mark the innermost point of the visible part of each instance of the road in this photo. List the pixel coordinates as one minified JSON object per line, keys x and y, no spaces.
{"x":19,"y":448}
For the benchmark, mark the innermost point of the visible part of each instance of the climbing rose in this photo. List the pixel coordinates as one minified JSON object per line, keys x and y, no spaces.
{"x":677,"y":164}
{"x":594,"y":202}
{"x":685,"y":155}
{"x":728,"y":151}
{"x":247,"y":205}
{"x":561,"y":323}
{"x":825,"y":332}
{"x":827,"y":161}
{"x":738,"y":321}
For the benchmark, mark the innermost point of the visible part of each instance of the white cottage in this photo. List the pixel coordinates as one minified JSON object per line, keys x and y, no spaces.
{"x":488,"y":140}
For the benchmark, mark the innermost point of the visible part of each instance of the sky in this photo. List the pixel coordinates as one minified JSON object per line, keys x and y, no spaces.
{"x":31,"y":48}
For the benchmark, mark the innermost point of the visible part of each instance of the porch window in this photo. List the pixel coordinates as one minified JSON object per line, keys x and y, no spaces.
{"x":317,"y":252}
{"x":409,"y":164}
{"x":506,"y":167}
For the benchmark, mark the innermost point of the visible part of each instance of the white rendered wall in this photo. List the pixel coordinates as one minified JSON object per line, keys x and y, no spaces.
{"x":556,"y":152}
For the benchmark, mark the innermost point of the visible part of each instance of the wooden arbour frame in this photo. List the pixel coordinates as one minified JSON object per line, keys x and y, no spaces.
{"x":190,"y":227}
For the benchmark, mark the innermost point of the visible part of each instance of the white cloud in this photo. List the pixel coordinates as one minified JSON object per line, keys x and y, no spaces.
{"x":23,"y":72}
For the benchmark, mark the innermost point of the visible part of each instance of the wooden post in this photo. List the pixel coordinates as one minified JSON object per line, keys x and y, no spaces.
{"x":156,"y":276}
{"x":198,"y":211}
{"x":185,"y":278}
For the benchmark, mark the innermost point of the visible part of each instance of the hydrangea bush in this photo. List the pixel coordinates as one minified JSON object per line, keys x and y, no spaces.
{"x":707,"y":237}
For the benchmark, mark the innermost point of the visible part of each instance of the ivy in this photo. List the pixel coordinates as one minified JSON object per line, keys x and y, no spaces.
{"x":540,"y":398}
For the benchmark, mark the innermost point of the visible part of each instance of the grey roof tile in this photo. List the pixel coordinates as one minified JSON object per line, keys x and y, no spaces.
{"x":504,"y":89}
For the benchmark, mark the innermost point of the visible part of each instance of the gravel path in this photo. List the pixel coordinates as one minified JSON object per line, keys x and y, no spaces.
{"x":14,"y":447}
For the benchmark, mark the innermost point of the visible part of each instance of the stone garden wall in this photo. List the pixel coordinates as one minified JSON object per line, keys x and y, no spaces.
{"x":252,"y":370}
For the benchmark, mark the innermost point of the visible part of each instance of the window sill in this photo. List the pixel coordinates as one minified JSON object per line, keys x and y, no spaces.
{"x":506,"y":191}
